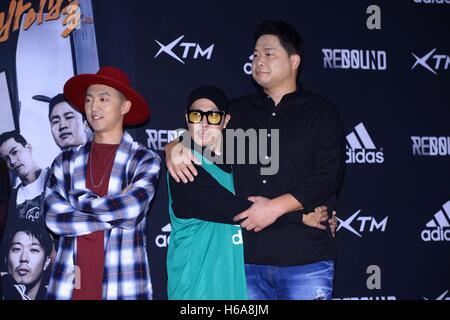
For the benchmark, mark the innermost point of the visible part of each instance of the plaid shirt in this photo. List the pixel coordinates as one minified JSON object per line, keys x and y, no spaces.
{"x":71,"y":210}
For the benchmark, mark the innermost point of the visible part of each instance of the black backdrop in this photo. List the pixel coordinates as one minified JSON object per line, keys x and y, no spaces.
{"x":386,"y":208}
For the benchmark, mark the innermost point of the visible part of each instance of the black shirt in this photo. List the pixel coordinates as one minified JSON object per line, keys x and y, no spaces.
{"x":311,"y":162}
{"x":205,"y":198}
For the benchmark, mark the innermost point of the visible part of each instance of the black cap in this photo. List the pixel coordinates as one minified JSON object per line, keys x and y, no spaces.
{"x":212,"y":93}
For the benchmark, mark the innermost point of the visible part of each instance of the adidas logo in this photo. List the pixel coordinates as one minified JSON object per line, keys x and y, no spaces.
{"x":438,"y":228}
{"x":360,"y":147}
{"x":162,"y":240}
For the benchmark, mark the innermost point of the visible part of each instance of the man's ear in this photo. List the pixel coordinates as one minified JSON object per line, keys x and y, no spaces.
{"x":227,"y":119}
{"x":126,"y":106}
{"x":47,"y":263}
{"x":29,"y":147}
{"x":295,"y":61}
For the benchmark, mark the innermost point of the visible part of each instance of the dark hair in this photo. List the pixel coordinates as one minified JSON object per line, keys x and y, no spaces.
{"x":30,"y":228}
{"x":54,"y":101}
{"x":289,"y":38}
{"x":13,"y":135}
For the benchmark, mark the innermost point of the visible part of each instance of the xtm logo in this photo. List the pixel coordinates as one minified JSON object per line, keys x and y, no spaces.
{"x":162,"y":240}
{"x":438,"y":227}
{"x":423,"y":61}
{"x":360,"y":147}
{"x":441,"y":297}
{"x":198,"y":51}
{"x":365,"y":224}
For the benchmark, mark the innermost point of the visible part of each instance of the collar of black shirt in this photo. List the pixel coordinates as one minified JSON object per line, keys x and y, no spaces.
{"x":269,"y":103}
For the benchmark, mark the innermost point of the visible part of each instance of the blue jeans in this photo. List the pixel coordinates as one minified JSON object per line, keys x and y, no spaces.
{"x":307,"y":282}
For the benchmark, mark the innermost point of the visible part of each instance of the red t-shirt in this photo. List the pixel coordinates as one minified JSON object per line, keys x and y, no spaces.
{"x":90,"y":248}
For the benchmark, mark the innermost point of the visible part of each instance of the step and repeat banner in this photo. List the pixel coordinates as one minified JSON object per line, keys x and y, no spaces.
{"x":384,"y":64}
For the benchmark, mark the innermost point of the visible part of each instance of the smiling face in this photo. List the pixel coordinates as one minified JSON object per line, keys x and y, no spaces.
{"x":26,"y":259}
{"x":105,"y":108}
{"x":67,"y":126}
{"x":202,"y":133}
{"x":272,"y":67}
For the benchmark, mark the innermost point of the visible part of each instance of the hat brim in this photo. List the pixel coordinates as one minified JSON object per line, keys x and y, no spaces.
{"x":75,"y":92}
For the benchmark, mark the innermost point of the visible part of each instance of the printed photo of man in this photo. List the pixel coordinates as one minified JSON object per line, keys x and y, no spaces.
{"x":28,"y":249}
{"x":68,"y":126}
{"x":25,"y":199}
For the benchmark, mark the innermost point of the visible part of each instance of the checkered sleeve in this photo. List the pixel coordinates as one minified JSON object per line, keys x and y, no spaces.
{"x":80,"y":212}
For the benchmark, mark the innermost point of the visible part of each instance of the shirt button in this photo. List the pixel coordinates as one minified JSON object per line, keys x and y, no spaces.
{"x":269,"y":135}
{"x":264,"y":181}
{"x":274,"y":114}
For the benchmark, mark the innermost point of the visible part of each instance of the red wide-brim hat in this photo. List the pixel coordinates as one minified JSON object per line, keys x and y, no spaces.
{"x":76,"y":87}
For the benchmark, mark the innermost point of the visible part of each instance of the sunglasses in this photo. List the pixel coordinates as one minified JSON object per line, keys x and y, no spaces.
{"x":212,"y":117}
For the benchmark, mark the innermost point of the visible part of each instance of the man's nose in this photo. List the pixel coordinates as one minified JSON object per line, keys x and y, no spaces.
{"x":12,"y":161}
{"x":258,"y":61}
{"x":24,"y":256}
{"x":62,"y":125}
{"x":205,"y":121}
{"x":94,"y":104}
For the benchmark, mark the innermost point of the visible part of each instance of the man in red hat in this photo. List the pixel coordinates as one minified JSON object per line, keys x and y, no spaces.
{"x":99,"y":193}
